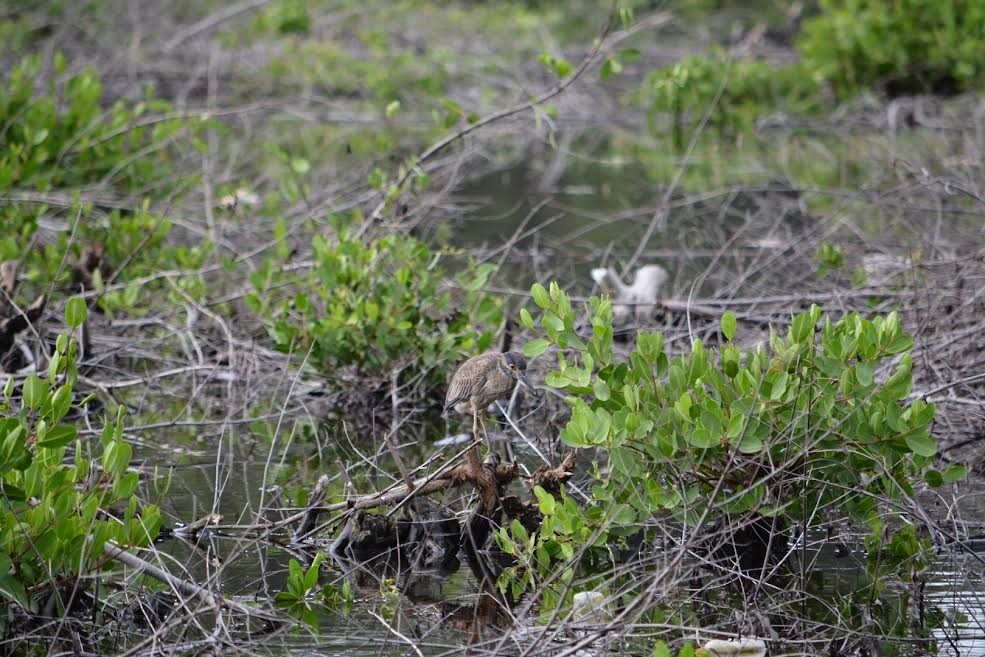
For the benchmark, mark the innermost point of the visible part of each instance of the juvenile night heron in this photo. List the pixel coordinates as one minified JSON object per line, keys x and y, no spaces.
{"x":481,"y":380}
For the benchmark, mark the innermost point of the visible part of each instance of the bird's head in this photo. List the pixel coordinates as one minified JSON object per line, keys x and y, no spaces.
{"x":517,"y":365}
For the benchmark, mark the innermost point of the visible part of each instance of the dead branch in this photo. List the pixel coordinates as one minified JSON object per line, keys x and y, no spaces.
{"x":452,"y":478}
{"x":183,"y":586}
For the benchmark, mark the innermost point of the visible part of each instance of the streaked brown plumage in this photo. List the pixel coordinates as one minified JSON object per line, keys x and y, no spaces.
{"x":481,"y":380}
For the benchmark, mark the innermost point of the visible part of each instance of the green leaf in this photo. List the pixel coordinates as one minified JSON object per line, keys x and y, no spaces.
{"x":954,"y":473}
{"x":13,"y":589}
{"x":116,"y":457}
{"x":866,"y":374}
{"x":701,"y":438}
{"x":526,"y":319}
{"x":311,"y":577}
{"x":453,"y":108}
{"x":735,"y":424}
{"x":545,"y":500}
{"x":629,"y":54}
{"x":921,"y":443}
{"x":802,"y":327}
{"x":601,"y":389}
{"x":610,"y":68}
{"x":626,"y":16}
{"x":392,"y":108}
{"x":779,"y":386}
{"x":552,"y":322}
{"x":683,"y":407}
{"x":750,"y":443}
{"x":75,"y":312}
{"x":61,"y":402}
{"x":58,"y":436}
{"x":536,"y":347}
{"x":660,"y":649}
{"x":728,"y":325}
{"x":35,"y":392}
{"x":540,"y":295}
{"x":519,"y":532}
{"x":295,"y":572}
{"x":56,"y":359}
{"x":556,"y":380}
{"x":899,"y":344}
{"x":300,"y":165}
{"x":934,"y":478}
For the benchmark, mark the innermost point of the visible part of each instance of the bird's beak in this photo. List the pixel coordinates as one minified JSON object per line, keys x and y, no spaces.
{"x":522,"y":378}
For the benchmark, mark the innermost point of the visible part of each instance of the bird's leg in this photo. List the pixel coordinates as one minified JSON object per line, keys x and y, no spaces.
{"x":492,"y":454}
{"x":482,"y":421}
{"x":472,"y":454}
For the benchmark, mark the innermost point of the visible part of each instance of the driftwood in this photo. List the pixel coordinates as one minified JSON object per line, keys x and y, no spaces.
{"x":443,"y":480}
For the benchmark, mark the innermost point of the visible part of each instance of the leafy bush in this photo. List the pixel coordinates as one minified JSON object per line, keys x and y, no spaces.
{"x":905,"y":45}
{"x":909,"y":46}
{"x":60,"y":144}
{"x":376,"y":304}
{"x":751,"y":86}
{"x":55,"y":518}
{"x":804,"y":434}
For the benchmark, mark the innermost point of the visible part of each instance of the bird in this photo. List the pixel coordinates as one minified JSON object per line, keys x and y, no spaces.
{"x":483,"y":379}
{"x":638,"y":298}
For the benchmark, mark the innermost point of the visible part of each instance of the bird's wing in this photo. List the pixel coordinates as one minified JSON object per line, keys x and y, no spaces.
{"x":451,"y":403}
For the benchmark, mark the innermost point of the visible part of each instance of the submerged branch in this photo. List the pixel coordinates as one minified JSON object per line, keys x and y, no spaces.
{"x":184,"y":586}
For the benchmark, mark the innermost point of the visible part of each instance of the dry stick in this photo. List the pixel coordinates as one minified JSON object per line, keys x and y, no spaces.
{"x":404,"y":474}
{"x":402,"y":637}
{"x":345,"y":475}
{"x":394,"y":426}
{"x":188,"y":588}
{"x":212,"y":20}
{"x":949,"y":385}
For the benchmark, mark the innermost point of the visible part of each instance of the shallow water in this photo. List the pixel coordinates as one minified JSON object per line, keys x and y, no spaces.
{"x":437,"y":610}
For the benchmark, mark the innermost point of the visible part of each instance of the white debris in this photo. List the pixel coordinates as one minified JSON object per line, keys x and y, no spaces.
{"x":743,"y":647}
{"x":588,"y":606}
{"x":637,"y":300}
